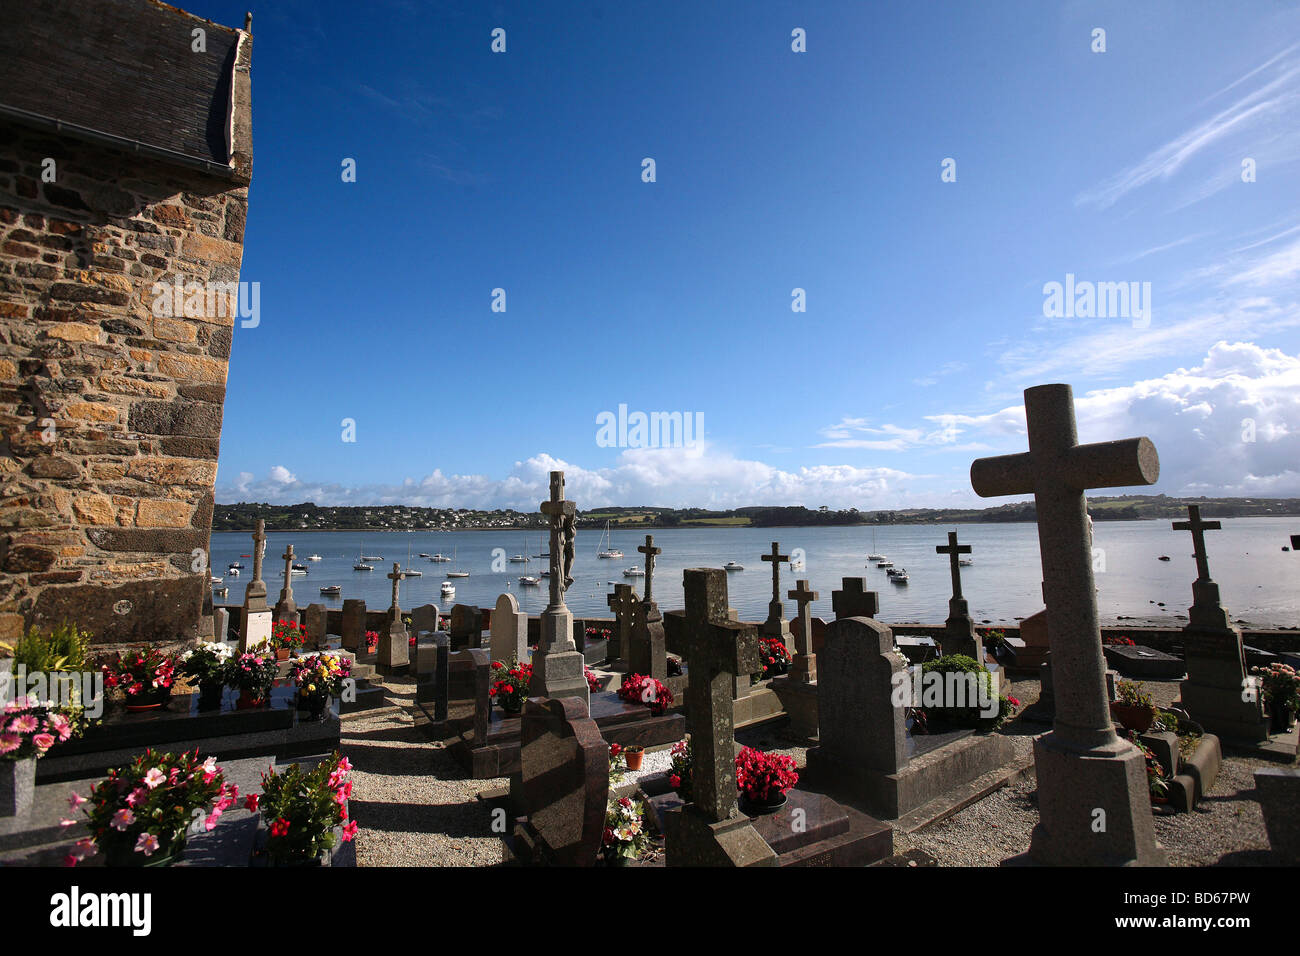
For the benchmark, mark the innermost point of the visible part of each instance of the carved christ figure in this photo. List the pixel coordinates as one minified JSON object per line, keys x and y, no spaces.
{"x":568,"y":533}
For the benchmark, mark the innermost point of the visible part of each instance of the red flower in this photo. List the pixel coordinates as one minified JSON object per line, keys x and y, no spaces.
{"x":250,"y":801}
{"x":280,"y":827}
{"x":675,"y":781}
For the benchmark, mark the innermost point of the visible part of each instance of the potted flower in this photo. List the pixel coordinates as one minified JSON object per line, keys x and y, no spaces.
{"x":28,"y":729}
{"x":287,"y":637}
{"x":640,"y":689}
{"x":306,"y":813}
{"x":253,"y":674}
{"x":319,"y":677}
{"x":1134,"y":708}
{"x":679,"y":776}
{"x":372,"y":641}
{"x":141,"y":814}
{"x":775,"y":657}
{"x":1281,"y":693}
{"x":763,"y":780}
{"x":625,"y":836}
{"x":145,"y":675}
{"x":633,"y":753}
{"x":205,"y":665}
{"x":510,"y":685}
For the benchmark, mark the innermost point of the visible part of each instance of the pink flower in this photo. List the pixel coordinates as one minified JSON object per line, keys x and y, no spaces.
{"x":9,"y":743}
{"x":135,"y":797}
{"x":213,"y":817}
{"x":43,"y":742}
{"x":24,"y":724}
{"x":154,"y":778}
{"x":146,"y":844}
{"x":350,"y":831}
{"x":344,"y":765}
{"x":122,"y":819}
{"x":75,"y":800}
{"x":60,"y":725}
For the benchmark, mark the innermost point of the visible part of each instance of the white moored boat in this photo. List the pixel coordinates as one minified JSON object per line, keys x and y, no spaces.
{"x":734,"y":566}
{"x":609,"y":551}
{"x":448,"y":589}
{"x":633,"y":572}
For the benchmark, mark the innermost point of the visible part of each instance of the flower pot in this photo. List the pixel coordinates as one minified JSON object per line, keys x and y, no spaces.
{"x":614,"y":858}
{"x":758,"y":808}
{"x":633,"y":757}
{"x":210,"y":696}
{"x":282,"y":653}
{"x":1133,"y":717}
{"x":514,"y":708}
{"x":317,"y":706}
{"x":247,"y":701}
{"x":154,"y":700}
{"x":1279,"y":719}
{"x":17,"y":787}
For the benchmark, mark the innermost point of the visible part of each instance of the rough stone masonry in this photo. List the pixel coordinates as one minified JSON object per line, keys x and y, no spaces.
{"x":110,"y":414}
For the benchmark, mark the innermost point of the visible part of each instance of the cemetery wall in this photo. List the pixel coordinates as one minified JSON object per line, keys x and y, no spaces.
{"x":110,"y":414}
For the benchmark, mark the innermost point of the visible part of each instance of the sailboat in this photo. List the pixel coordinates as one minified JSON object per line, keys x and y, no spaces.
{"x":873,"y":556}
{"x":457,"y":574}
{"x":610,"y":551}
{"x":408,"y":571}
{"x":361,"y":564}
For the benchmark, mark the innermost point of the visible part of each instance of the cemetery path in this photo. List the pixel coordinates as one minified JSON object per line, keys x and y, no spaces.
{"x":412,"y":802}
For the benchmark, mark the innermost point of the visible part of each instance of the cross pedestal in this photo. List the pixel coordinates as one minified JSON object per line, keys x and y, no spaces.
{"x":1086,"y":773}
{"x":285,"y":608}
{"x":394,"y":647}
{"x":255,"y":615}
{"x":558,"y":665}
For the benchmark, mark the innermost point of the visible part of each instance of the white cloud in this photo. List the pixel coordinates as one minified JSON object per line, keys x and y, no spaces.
{"x":281,"y":475}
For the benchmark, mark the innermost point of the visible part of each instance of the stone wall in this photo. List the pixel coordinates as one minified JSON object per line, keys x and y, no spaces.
{"x":110,"y":416}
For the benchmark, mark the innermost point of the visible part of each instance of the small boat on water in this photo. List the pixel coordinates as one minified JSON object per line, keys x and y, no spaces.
{"x":332,"y":590}
{"x":448,"y":589}
{"x":545,"y":574}
{"x":517,"y":559}
{"x":876,"y":557}
{"x":362,"y":566}
{"x":734,"y":566}
{"x":422,"y":554}
{"x":233,"y":572}
{"x":1163,"y":557}
{"x":313,"y":557}
{"x":609,"y":551}
{"x":412,"y":573}
{"x":236,"y":564}
{"x":965,"y":562}
{"x":372,"y":557}
{"x":898,"y":576}
{"x":633,"y":572}
{"x":457,"y":574}
{"x":884,"y":564}
{"x":214,"y":579}
{"x":437,"y":558}
{"x":528,"y":580}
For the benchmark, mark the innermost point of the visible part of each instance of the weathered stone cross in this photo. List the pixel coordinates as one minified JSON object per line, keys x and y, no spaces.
{"x":716,"y":651}
{"x":805,"y":662}
{"x":855,"y":600}
{"x":256,"y":590}
{"x":558,"y":510}
{"x":623,"y":602}
{"x":649,"y":550}
{"x":557,"y":663}
{"x":1198,"y":528}
{"x":1081,"y":760}
{"x":953,"y":549}
{"x":776,"y":557}
{"x":395,"y":577}
{"x":285,"y":608}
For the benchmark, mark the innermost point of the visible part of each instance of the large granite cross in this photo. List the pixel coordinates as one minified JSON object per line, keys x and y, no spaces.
{"x":255,"y":593}
{"x":395,"y":576}
{"x":557,"y":662}
{"x":855,"y":600}
{"x":1081,"y":764}
{"x":623,"y":602}
{"x":394,"y":648}
{"x":716,"y":651}
{"x":776,"y":557}
{"x":953,"y":549}
{"x":804,"y":669}
{"x":1197,"y":527}
{"x":285,"y":608}
{"x":559,"y":512}
{"x":649,"y":550}
{"x":776,"y":625}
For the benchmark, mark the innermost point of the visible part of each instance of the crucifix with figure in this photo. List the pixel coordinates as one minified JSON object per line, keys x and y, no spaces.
{"x":776,"y":624}
{"x":1082,"y":766}
{"x":711,"y":830}
{"x":959,"y":635}
{"x":557,"y":662}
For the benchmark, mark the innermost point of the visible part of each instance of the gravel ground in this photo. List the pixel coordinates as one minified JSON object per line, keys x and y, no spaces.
{"x":416,"y":807}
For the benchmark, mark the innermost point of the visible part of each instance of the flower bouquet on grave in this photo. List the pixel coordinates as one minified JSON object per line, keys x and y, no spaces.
{"x":28,"y":729}
{"x":1134,"y":709}
{"x":626,"y":836}
{"x":319,"y":677}
{"x":253,"y":674}
{"x":639,"y":689}
{"x":594,"y":685}
{"x":286,"y":637}
{"x":763,"y":779}
{"x":775,"y":657}
{"x":597,"y":634}
{"x":679,"y":775}
{"x":510,"y":685}
{"x":1281,"y":689}
{"x":205,"y":666}
{"x":1118,"y":642}
{"x":617,"y":765}
{"x":372,"y":641}
{"x":1156,"y":783}
{"x":307,"y":812}
{"x":141,"y":814}
{"x":145,"y":676}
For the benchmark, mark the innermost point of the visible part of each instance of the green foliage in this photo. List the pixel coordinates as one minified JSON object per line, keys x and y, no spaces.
{"x":65,"y":648}
{"x":968,"y":714}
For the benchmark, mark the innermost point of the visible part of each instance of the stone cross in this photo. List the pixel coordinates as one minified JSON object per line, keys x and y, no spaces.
{"x":649,"y":550}
{"x":395,"y":577}
{"x":1197,"y":527}
{"x":953,"y":549}
{"x":776,"y":625}
{"x":776,"y":557}
{"x":855,"y":600}
{"x":804,"y":669}
{"x":394,"y":647}
{"x":255,"y":593}
{"x":285,"y":608}
{"x":623,"y":602}
{"x":717,"y":650}
{"x":1081,"y":764}
{"x":557,"y":663}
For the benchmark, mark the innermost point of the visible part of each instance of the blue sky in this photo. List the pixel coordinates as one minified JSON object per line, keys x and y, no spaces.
{"x":775,"y":170}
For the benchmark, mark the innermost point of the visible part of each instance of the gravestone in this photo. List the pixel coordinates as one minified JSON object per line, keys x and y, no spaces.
{"x":255,"y":615}
{"x":776,"y":625}
{"x":354,"y":625}
{"x":441,"y":675}
{"x":314,"y":620}
{"x":509,"y":638}
{"x":1278,"y":792}
{"x":220,"y":624}
{"x":1215,"y":658}
{"x":424,"y":619}
{"x":394,"y":646}
{"x":558,"y":665}
{"x":1085,"y":772}
{"x":622,"y":602}
{"x":648,"y":651}
{"x":711,"y":831}
{"x":798,"y":689}
{"x":1033,"y":631}
{"x":466,"y":626}
{"x":285,"y":609}
{"x":563,"y":784}
{"x":959,"y":635}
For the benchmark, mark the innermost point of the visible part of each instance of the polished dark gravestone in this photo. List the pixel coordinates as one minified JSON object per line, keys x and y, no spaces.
{"x":1145,"y":663}
{"x":563,"y":785}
